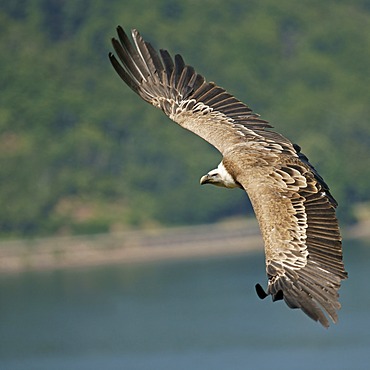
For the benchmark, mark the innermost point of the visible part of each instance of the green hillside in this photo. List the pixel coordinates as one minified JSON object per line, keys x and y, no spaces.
{"x":80,"y":153}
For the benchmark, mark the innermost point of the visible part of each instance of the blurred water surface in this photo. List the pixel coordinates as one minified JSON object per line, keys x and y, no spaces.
{"x":198,"y":314}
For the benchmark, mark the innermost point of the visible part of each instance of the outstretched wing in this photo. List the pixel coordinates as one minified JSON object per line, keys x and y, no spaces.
{"x":292,"y":203}
{"x":296,"y":213}
{"x":184,"y":95}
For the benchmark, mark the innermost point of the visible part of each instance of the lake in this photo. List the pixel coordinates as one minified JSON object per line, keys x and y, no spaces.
{"x":194,"y":314}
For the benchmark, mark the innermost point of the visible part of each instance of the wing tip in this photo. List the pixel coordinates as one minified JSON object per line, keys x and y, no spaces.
{"x":294,"y":299}
{"x":260,"y":291}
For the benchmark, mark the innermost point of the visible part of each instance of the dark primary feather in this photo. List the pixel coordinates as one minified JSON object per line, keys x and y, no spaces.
{"x":176,"y":77}
{"x":325,"y":187}
{"x":292,"y":202}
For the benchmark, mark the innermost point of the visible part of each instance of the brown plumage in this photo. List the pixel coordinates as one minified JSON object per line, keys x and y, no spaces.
{"x":293,"y":205}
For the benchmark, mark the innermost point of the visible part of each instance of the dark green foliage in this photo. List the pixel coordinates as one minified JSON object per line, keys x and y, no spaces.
{"x":79,"y":152}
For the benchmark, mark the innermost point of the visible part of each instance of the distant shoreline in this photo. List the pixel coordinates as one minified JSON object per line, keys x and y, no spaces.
{"x":129,"y":247}
{"x":228,"y":238}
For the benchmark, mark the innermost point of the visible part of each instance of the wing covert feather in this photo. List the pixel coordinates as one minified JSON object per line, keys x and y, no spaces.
{"x":303,"y":248}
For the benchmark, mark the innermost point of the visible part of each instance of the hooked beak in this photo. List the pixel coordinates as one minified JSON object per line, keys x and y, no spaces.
{"x":205,"y":179}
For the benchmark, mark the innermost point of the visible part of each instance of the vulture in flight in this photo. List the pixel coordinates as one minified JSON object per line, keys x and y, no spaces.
{"x":292,"y":202}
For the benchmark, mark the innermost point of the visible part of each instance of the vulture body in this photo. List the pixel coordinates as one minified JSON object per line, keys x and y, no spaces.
{"x":292,"y":203}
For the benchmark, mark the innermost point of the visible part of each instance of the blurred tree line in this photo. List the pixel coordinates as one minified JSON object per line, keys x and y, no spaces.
{"x":80,"y":153}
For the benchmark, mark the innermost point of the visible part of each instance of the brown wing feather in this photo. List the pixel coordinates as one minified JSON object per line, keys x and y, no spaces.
{"x":296,"y":213}
{"x":293,"y":205}
{"x":199,"y":106}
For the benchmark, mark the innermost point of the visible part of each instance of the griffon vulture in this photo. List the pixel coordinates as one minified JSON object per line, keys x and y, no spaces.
{"x":292,"y":202}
